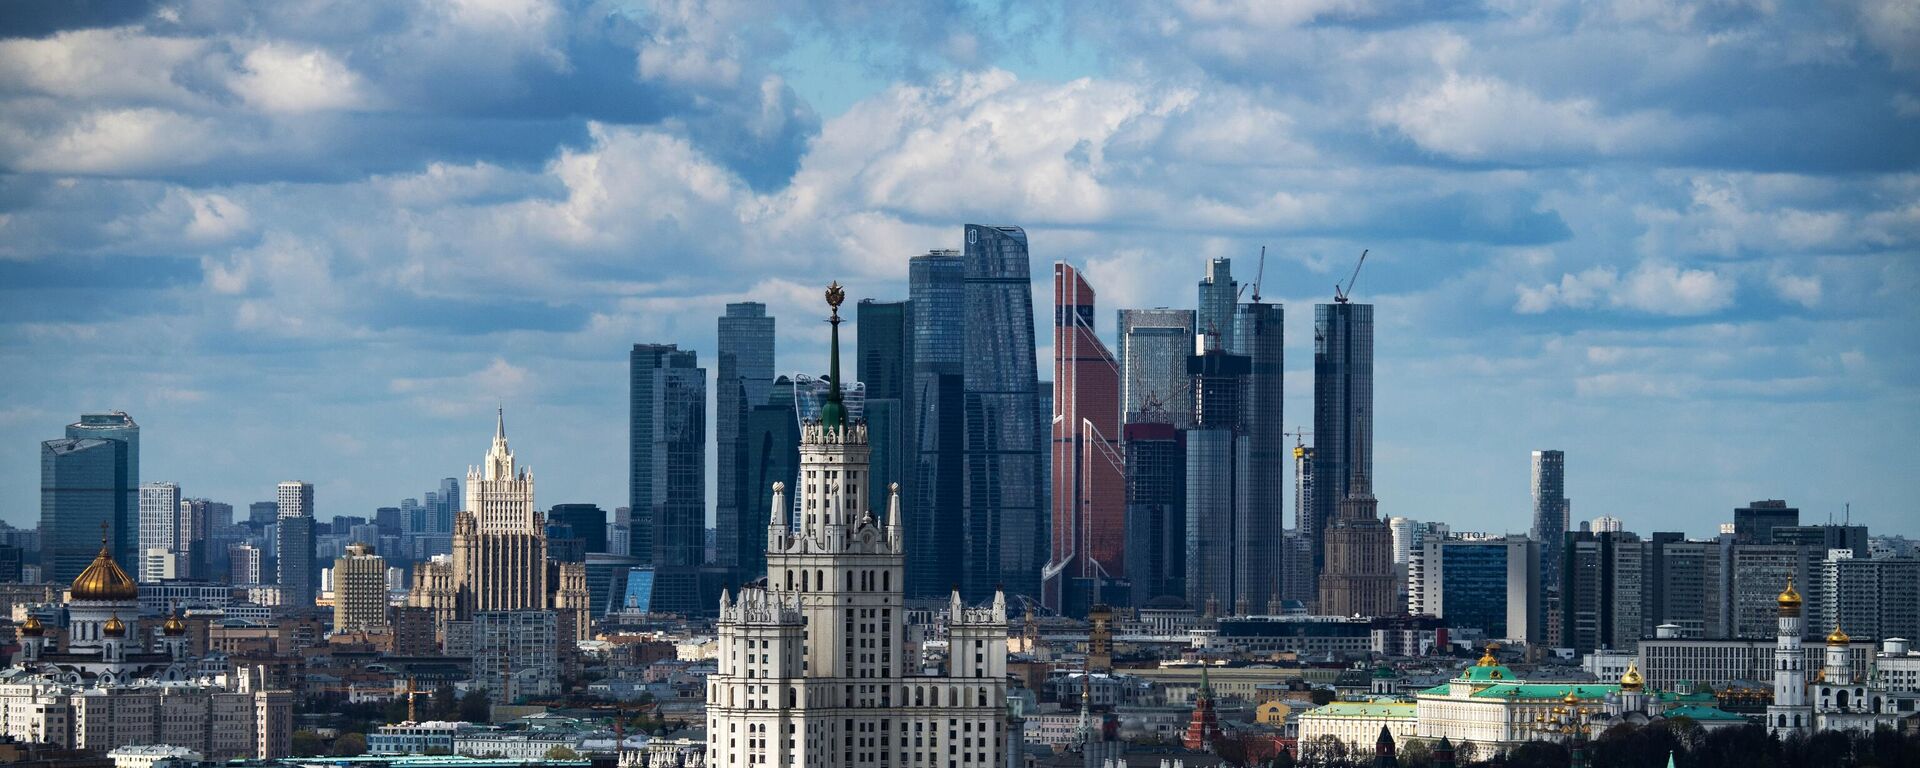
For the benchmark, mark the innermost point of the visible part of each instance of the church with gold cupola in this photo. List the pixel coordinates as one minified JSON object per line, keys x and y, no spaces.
{"x":102,"y":641}
{"x":1834,"y":699}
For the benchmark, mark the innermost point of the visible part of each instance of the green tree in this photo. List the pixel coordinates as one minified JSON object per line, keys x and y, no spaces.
{"x":1321,"y":696}
{"x":474,"y":707}
{"x":562,"y":752}
{"x":306,"y":743}
{"x":349,"y":745}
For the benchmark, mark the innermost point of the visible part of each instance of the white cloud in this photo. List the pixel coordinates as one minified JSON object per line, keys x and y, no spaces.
{"x":113,"y":141}
{"x":120,"y":65}
{"x":281,"y":77}
{"x":1482,"y":117}
{"x":1799,"y":289}
{"x":1652,"y":287}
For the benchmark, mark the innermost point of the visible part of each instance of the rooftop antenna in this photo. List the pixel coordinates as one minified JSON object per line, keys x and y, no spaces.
{"x":1340,"y":295}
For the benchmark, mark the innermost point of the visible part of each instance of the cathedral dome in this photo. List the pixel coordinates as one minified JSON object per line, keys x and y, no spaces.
{"x":32,"y":627}
{"x":114,"y":626}
{"x":103,"y":580}
{"x":1790,"y":598}
{"x":1837,"y":637}
{"x":174,"y":626}
{"x":1632,"y":680}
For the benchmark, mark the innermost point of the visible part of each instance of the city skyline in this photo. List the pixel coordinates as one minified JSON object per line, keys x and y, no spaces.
{"x":1698,"y":316}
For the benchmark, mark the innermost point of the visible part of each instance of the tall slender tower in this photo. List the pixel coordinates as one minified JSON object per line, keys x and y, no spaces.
{"x":1550,"y":529}
{"x":743,"y":377}
{"x":936,"y":428}
{"x":1089,"y":471}
{"x":810,"y":672}
{"x":499,"y":540}
{"x":1260,"y":504}
{"x":1358,"y":578}
{"x":1789,"y":713}
{"x":1342,"y":409}
{"x":294,"y":531}
{"x":119,"y":427}
{"x":667,"y":492}
{"x":1004,"y":540}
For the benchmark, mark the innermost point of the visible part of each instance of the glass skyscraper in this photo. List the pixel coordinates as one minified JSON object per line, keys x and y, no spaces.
{"x":667,"y":472}
{"x":773,"y":456}
{"x":743,"y":376}
{"x":1218,"y":296}
{"x":884,"y":362}
{"x":1260,"y":511}
{"x":587,"y":522}
{"x":83,"y":487}
{"x":1550,"y":510}
{"x":1342,"y":411}
{"x":936,"y":422}
{"x":293,"y":531}
{"x":1004,"y":536}
{"x":1154,"y":347}
{"x":1156,"y":511}
{"x":1087,"y":469}
{"x":117,"y":425}
{"x":1216,"y":457}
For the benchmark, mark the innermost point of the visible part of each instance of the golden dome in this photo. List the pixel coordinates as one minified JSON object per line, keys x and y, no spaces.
{"x":1570,"y":698}
{"x":103,"y":580}
{"x":31,"y":627}
{"x":1837,"y":637}
{"x":114,"y":626}
{"x":1632,"y":680}
{"x":1790,"y":599}
{"x":174,"y":626}
{"x":1488,"y":660}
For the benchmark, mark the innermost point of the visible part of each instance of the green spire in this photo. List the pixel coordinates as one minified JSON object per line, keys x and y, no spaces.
{"x":833,"y":415}
{"x":1206,"y":685}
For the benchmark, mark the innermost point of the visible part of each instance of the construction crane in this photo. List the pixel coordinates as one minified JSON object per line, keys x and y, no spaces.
{"x":1257,"y":275}
{"x":1340,"y":295}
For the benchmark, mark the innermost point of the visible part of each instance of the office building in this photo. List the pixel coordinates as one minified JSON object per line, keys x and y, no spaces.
{"x":119,"y":427}
{"x":1825,"y":538}
{"x":1260,"y":508}
{"x":244,"y":564}
{"x":1754,"y":523}
{"x":776,"y":697}
{"x":205,"y":528}
{"x":294,"y":547}
{"x":773,"y":456}
{"x":743,"y":377}
{"x":1218,"y":295}
{"x":360,"y":591}
{"x":1342,"y":411}
{"x":1602,"y":591}
{"x":1550,"y":514}
{"x":1759,"y":573}
{"x":159,"y":532}
{"x":1873,"y":599}
{"x":1300,"y":574}
{"x":667,"y":494}
{"x":1358,"y":577}
{"x":83,"y":496}
{"x":1492,"y":585}
{"x":937,"y":425}
{"x":586,"y":522}
{"x":1156,"y":543}
{"x":884,"y":366}
{"x":513,"y":654}
{"x":1154,"y":347}
{"x":1004,"y":536}
{"x":1089,"y":477}
{"x":1215,"y":457}
{"x":262,"y":513}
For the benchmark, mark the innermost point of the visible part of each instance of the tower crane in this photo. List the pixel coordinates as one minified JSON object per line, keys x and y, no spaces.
{"x":1257,"y":275}
{"x":1340,"y":295}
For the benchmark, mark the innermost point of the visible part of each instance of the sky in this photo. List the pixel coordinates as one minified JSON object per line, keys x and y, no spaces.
{"x":324,"y":240}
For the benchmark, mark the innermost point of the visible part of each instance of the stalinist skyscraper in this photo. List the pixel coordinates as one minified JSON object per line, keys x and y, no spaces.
{"x":812,"y":665}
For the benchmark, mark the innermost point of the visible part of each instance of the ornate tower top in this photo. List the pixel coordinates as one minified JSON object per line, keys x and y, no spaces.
{"x":1790,"y":600}
{"x":833,"y":415}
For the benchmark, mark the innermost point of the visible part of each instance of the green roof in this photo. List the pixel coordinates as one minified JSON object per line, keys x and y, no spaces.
{"x":1544,"y":691}
{"x":1365,"y":709}
{"x":1700,"y":713}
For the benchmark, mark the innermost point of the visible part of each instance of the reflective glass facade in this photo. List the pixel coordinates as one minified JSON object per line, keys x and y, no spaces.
{"x":773,"y":456}
{"x":936,"y":427}
{"x":1154,"y":347}
{"x":83,"y":485}
{"x":1003,"y":537}
{"x":743,"y":377}
{"x":1342,"y":410}
{"x":1156,"y":511}
{"x":667,"y":490}
{"x":1260,"y":511}
{"x":1086,"y":467}
{"x":117,"y":425}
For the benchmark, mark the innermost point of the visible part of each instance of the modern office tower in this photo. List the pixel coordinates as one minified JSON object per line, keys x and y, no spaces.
{"x":1342,"y":410}
{"x":360,"y":591}
{"x":83,"y":499}
{"x":1603,"y":591}
{"x":588,"y":522}
{"x":784,"y":644}
{"x":937,"y":424}
{"x":1607,"y":524}
{"x":667,"y":488}
{"x":293,"y":546}
{"x":1154,"y":347}
{"x":448,"y":505}
{"x":159,"y":532}
{"x":1687,"y":587}
{"x":743,"y":376}
{"x":773,"y":456}
{"x":1301,"y":580}
{"x":1260,"y":511}
{"x":1759,"y":572}
{"x":12,"y":564}
{"x":198,"y":525}
{"x":884,"y":366}
{"x":1406,"y":538}
{"x":1089,"y":477}
{"x":1213,"y":322}
{"x":1821,"y":538}
{"x":499,"y":540}
{"x":1754,"y":523}
{"x":390,"y":519}
{"x":1488,"y":584}
{"x":1156,"y":542}
{"x":1004,"y":541}
{"x":1550,"y":514}
{"x":1875,"y":599}
{"x":1358,"y":577}
{"x":513,"y":654}
{"x":1215,"y":456}
{"x":117,"y":425}
{"x":261,"y":513}
{"x":244,"y":564}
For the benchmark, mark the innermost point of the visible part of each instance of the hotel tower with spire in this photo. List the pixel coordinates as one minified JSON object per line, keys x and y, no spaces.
{"x":812,"y":669}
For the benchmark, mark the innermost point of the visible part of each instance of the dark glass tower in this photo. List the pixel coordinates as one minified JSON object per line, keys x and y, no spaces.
{"x":1154,"y":347}
{"x":83,"y":486}
{"x":117,"y":425}
{"x":1216,"y":457}
{"x":1156,"y":510}
{"x":1218,"y":294}
{"x":742,"y":379}
{"x":294,"y":531}
{"x":1259,"y":516}
{"x":1342,"y":411}
{"x":936,"y":422}
{"x":1550,"y":530}
{"x":588,"y":523}
{"x":1003,"y":542}
{"x":773,"y":456}
{"x":884,"y":366}
{"x":667,"y":484}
